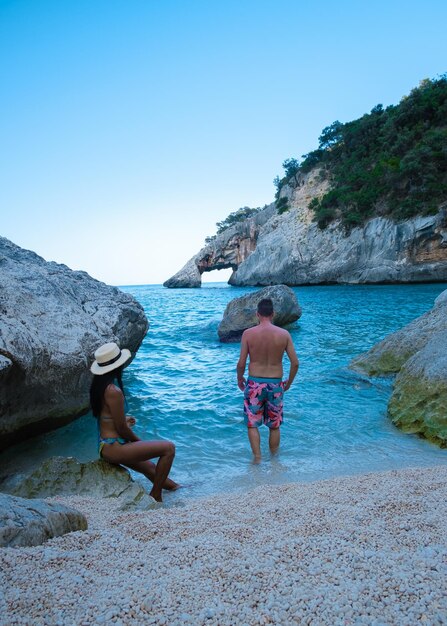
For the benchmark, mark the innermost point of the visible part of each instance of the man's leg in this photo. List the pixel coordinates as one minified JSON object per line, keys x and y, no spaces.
{"x":274,"y":439}
{"x":254,"y":412}
{"x":255,"y":443}
{"x":274,"y":411}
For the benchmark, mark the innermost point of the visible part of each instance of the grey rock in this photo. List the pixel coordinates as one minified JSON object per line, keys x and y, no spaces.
{"x":228,"y":250}
{"x":389,"y":355}
{"x":291,"y":249}
{"x":189,"y":276}
{"x":417,"y":353}
{"x":419,"y":400}
{"x":240,"y":313}
{"x":294,"y":252}
{"x":31,"y":522}
{"x":52,"y":319}
{"x":441,"y":299}
{"x":67,"y":476}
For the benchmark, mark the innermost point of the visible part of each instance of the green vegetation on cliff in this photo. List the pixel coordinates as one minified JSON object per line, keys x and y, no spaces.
{"x":237,"y":216}
{"x":390,"y":162}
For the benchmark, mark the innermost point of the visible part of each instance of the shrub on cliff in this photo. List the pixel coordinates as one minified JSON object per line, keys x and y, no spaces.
{"x":237,"y":216}
{"x":391,"y":161}
{"x":291,"y":167}
{"x":282,"y":205}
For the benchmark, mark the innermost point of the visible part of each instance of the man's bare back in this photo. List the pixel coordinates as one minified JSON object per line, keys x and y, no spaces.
{"x":265,"y":344}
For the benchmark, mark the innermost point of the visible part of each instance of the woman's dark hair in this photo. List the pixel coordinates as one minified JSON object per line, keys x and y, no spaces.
{"x":98,"y":387}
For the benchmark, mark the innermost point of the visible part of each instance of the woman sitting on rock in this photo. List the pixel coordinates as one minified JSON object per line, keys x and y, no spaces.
{"x":118,"y":444}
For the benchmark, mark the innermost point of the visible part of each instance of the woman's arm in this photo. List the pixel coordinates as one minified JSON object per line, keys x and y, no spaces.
{"x":115,"y":401}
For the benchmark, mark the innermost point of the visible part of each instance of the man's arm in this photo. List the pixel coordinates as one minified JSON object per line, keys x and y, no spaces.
{"x":294,"y":363}
{"x":241,"y":364}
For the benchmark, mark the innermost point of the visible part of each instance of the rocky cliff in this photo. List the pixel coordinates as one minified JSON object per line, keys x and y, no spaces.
{"x":291,"y":249}
{"x":52,"y":319}
{"x":230,"y":249}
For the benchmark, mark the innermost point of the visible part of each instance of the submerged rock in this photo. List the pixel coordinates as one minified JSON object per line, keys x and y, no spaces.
{"x":67,"y":476}
{"x":418,"y":355}
{"x":52,"y":320}
{"x":31,"y":522}
{"x":240,"y":313}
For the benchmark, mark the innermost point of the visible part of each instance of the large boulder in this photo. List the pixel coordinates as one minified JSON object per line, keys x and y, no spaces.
{"x":31,"y":522}
{"x":67,"y":476}
{"x":441,"y":299}
{"x":389,"y":355}
{"x":52,"y":320}
{"x":419,"y":400}
{"x":418,"y":354}
{"x":240,"y":313}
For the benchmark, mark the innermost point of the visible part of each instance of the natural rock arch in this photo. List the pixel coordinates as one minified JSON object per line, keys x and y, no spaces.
{"x":227,"y":250}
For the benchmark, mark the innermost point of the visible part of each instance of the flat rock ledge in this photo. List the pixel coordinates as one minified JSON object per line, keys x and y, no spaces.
{"x":418,"y":355}
{"x":26,"y":522}
{"x":59,"y":476}
{"x":240,"y":313}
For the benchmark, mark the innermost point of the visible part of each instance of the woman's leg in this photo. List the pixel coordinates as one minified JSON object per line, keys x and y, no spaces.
{"x":147,"y":468}
{"x":137,"y":451}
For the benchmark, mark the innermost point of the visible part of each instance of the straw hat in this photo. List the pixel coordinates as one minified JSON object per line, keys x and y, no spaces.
{"x":109,"y":357}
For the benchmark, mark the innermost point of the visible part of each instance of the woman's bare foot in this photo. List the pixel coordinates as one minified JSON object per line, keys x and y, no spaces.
{"x":156,"y":495}
{"x":170,"y":485}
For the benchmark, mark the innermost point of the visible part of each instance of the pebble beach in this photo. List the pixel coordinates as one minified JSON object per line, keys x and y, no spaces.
{"x":368,"y":549}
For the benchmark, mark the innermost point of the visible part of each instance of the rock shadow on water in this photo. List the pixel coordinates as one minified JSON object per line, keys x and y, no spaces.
{"x":77,"y":438}
{"x":356,"y":380}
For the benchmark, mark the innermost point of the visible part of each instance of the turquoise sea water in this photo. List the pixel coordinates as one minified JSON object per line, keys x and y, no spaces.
{"x":182,"y":386}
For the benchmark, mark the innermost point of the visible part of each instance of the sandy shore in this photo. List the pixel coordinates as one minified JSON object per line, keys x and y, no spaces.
{"x":367,"y":549}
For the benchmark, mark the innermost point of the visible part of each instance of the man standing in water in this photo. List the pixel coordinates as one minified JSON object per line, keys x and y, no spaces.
{"x":265,"y":344}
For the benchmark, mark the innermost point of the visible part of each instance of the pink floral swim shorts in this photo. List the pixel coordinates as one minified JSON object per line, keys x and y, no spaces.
{"x":263,"y":402}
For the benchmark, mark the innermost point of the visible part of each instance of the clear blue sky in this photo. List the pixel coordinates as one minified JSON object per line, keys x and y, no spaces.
{"x":129,"y":128}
